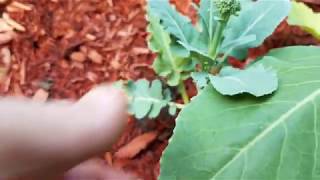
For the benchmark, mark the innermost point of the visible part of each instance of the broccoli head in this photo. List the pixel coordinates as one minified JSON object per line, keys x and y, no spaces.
{"x":227,"y":8}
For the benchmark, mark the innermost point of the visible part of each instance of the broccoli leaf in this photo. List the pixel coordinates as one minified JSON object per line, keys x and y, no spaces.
{"x":173,"y":110}
{"x":179,"y":26}
{"x":200,"y":79}
{"x":246,"y":3}
{"x":255,"y":80}
{"x":249,"y":138}
{"x":169,"y":63}
{"x":207,"y":13}
{"x":259,"y":20}
{"x":174,"y":23}
{"x":303,"y":16}
{"x":148,"y":99}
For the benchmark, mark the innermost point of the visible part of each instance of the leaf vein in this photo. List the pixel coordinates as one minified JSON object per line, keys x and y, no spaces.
{"x":300,"y":68}
{"x":301,"y":83}
{"x":282,"y":149}
{"x":179,"y":28}
{"x":255,"y":105}
{"x":265,"y":132}
{"x":256,"y":21}
{"x":316,"y":145}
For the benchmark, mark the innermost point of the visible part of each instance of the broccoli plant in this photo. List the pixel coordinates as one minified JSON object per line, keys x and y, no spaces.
{"x":238,"y":126}
{"x":147,"y":99}
{"x":200,"y":50}
{"x":224,"y":28}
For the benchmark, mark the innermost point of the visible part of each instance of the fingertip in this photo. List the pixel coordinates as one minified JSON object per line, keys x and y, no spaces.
{"x":96,"y":169}
{"x":101,"y":116}
{"x":106,"y":91}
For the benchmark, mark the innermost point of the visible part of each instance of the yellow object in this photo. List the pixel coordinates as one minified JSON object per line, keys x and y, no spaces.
{"x":303,"y":16}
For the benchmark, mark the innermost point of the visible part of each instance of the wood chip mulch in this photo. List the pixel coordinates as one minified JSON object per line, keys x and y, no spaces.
{"x":70,"y":46}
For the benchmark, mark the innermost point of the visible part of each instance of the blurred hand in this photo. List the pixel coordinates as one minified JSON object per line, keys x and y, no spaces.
{"x":51,"y":140}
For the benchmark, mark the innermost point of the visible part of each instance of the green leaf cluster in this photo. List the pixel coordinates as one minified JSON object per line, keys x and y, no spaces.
{"x":172,"y":62}
{"x":224,"y":28}
{"x":251,"y":26}
{"x":248,"y":138}
{"x":147,"y":99}
{"x":303,"y":16}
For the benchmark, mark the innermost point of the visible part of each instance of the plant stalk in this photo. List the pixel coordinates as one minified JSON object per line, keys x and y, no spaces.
{"x":183,"y":92}
{"x":216,"y":41}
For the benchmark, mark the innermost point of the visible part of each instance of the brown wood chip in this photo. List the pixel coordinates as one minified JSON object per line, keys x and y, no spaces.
{"x":3,"y":1}
{"x":108,"y":158}
{"x":78,"y":56}
{"x":5,"y":55}
{"x":6,"y":37}
{"x":138,"y":144}
{"x":22,"y":6}
{"x":95,"y":57}
{"x":13,"y":23}
{"x":4,"y":27}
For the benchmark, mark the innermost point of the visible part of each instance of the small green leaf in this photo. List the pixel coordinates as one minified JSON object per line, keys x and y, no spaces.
{"x":255,"y":80}
{"x":169,"y":63}
{"x":147,"y":100}
{"x":207,"y":13}
{"x":118,"y":84}
{"x":172,"y":110}
{"x":303,"y":16}
{"x":259,"y":20}
{"x":200,"y":79}
{"x":175,"y":23}
{"x":179,"y":26}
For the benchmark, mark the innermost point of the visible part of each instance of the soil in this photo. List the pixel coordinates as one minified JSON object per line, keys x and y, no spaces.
{"x":67,"y":47}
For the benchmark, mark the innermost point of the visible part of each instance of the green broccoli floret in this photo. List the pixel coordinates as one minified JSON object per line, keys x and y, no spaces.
{"x":227,"y":8}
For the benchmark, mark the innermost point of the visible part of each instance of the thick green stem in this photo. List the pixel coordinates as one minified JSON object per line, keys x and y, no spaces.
{"x":215,"y":43}
{"x":183,"y":92}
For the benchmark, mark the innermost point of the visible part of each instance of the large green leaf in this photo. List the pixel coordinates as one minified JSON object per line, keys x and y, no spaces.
{"x":255,"y":80}
{"x":243,"y":137}
{"x":302,"y":15}
{"x":169,"y":63}
{"x":259,"y":20}
{"x":246,"y":3}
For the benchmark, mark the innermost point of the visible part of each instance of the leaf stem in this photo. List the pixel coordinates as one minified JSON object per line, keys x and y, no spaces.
{"x":216,"y":41}
{"x":183,"y":92}
{"x":179,"y":106}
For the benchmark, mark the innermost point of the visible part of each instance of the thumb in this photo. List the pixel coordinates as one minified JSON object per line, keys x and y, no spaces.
{"x":101,"y":116}
{"x":41,"y":140}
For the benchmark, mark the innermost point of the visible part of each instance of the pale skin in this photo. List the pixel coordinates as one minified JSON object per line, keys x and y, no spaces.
{"x":55,"y":140}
